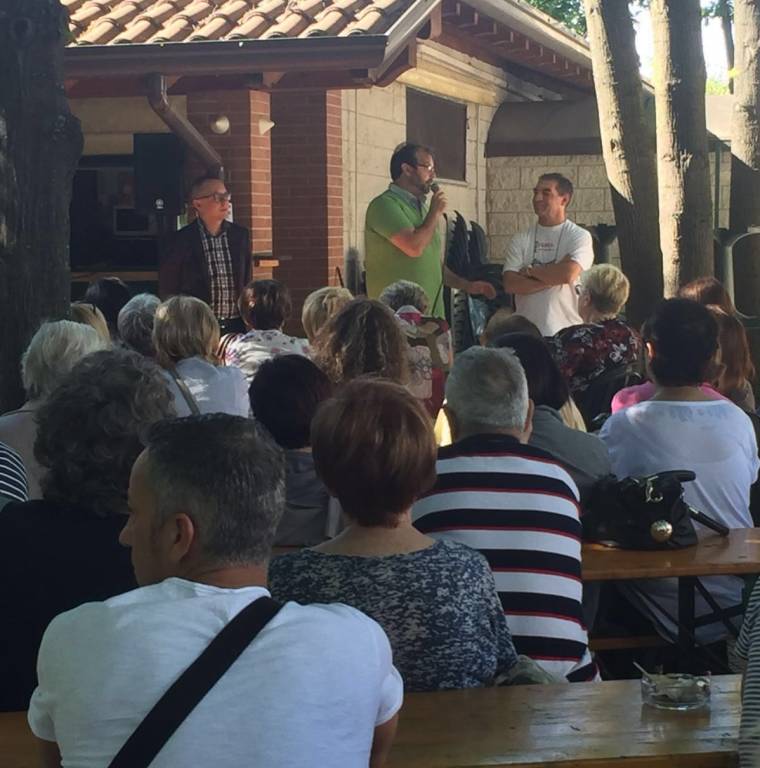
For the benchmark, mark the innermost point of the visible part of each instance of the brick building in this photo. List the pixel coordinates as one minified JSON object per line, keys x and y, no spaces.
{"x":343,"y":82}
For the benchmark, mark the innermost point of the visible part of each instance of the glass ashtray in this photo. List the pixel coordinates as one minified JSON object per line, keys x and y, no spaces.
{"x":675,"y":691}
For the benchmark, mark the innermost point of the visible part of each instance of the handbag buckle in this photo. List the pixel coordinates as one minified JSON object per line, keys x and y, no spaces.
{"x":651,"y":493}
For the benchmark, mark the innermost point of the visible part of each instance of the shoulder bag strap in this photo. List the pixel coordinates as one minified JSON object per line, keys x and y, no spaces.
{"x":193,"y":684}
{"x":184,"y":390}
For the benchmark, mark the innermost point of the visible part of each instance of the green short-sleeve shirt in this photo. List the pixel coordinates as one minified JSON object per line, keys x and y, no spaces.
{"x":388,"y":214}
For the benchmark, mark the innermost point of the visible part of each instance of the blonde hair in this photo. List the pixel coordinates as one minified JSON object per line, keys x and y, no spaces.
{"x":88,"y":314}
{"x":320,"y":306}
{"x":53,"y":351}
{"x":185,"y":327}
{"x":607,"y":287}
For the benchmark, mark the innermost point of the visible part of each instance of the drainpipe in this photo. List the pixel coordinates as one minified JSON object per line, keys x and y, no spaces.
{"x":182,"y":127}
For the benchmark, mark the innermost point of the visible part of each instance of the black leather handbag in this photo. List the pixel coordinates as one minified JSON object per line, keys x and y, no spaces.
{"x":644,"y":512}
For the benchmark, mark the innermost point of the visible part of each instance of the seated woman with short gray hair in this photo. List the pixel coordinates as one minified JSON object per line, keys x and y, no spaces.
{"x":53,"y":351}
{"x":374,"y":449}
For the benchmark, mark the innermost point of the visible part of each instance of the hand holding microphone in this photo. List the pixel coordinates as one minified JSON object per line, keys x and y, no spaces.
{"x":437,"y":201}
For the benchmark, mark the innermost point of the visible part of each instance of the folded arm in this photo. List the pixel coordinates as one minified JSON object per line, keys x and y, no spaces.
{"x":521,"y":284}
{"x":564,"y":272}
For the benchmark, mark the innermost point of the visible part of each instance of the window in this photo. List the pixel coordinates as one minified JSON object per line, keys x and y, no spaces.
{"x":442,"y":125}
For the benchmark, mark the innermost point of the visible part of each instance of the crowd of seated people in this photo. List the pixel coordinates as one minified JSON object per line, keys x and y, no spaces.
{"x":436,"y":562}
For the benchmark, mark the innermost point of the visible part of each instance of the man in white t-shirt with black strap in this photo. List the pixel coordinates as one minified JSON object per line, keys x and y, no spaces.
{"x":316,"y":687}
{"x":543,"y":264}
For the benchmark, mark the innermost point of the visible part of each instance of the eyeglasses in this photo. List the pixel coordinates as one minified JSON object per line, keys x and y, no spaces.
{"x":219,"y":197}
{"x":427,"y":166}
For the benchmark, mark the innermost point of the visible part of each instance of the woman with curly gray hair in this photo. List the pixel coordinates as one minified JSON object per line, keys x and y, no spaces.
{"x":63,"y":550}
{"x":135,"y":323}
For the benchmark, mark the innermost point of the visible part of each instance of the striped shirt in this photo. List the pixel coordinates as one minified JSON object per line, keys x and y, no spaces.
{"x":519,"y":507}
{"x":13,"y":482}
{"x":748,"y":650}
{"x":216,"y":250}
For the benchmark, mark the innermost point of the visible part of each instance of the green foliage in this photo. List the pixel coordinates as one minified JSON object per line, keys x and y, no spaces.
{"x":715,"y":87}
{"x":715,"y":8}
{"x":569,"y":12}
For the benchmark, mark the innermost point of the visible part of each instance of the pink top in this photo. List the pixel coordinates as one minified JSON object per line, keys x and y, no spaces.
{"x":641,"y":392}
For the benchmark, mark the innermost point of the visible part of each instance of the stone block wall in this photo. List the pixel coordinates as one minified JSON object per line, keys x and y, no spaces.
{"x":511,"y":181}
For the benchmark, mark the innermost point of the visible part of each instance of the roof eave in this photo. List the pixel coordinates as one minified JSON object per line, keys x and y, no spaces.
{"x":226,"y":57}
{"x":538,"y":26}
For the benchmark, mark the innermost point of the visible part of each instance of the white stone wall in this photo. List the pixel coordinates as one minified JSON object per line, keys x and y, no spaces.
{"x":511,"y":179}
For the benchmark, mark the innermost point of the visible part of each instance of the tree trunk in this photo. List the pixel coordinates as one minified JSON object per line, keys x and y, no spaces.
{"x":40,"y":144}
{"x":745,"y":154}
{"x":628,"y":146}
{"x":725,"y":24}
{"x":683,"y":168}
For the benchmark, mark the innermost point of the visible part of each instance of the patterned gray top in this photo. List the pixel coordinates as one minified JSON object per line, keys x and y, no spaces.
{"x":438,"y":606}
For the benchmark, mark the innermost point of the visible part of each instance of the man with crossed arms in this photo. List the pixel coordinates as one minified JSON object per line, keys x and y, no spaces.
{"x":543,"y":264}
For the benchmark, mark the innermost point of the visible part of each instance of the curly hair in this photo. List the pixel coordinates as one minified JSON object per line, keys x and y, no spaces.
{"x":364,"y":338}
{"x":112,"y":397}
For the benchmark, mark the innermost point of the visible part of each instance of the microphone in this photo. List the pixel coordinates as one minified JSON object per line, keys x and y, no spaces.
{"x":434,"y":187}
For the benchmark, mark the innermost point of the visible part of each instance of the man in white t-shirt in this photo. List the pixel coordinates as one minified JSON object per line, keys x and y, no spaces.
{"x":544,"y":263}
{"x":315,"y":687}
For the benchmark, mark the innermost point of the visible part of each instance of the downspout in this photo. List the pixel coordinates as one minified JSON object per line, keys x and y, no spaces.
{"x":182,"y":127}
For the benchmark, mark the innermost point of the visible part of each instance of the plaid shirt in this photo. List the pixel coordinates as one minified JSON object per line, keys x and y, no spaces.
{"x":216,"y":251}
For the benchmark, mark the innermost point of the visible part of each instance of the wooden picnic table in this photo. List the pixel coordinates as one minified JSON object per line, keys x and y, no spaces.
{"x":578,"y":725}
{"x":714,"y":555}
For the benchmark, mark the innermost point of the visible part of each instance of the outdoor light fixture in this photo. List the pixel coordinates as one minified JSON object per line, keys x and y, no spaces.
{"x":220,"y":124}
{"x":265,"y":126}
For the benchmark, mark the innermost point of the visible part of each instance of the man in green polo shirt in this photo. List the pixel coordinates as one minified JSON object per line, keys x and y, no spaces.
{"x":402,"y":239}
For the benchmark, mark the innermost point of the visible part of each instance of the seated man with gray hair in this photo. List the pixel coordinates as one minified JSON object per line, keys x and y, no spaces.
{"x":306,"y":685}
{"x":517,"y":505}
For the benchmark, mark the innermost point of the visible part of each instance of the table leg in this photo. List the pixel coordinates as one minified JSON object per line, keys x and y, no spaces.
{"x":686,"y":589}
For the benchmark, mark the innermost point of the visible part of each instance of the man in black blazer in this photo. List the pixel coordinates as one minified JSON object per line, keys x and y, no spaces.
{"x":209,"y":258}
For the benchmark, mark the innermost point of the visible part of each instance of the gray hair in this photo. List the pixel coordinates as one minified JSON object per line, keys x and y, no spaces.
{"x":135,"y":323}
{"x":228,"y":475}
{"x":487,"y":390}
{"x":405,"y":293}
{"x":53,"y":351}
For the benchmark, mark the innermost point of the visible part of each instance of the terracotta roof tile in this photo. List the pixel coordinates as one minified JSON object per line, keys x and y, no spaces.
{"x":334,"y":18}
{"x":375,"y":18}
{"x":113,"y":22}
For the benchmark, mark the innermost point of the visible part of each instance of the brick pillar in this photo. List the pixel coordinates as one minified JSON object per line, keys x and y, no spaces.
{"x":245,"y":153}
{"x":307,"y":191}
